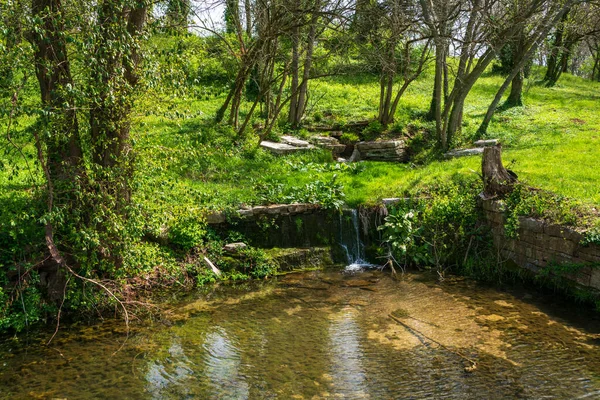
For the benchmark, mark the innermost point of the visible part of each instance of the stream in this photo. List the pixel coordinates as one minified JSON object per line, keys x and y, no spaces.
{"x":319,"y":335}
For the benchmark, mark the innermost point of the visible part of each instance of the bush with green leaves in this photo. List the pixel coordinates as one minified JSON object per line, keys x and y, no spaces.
{"x":328,"y":194}
{"x":187,"y":231}
{"x":372,"y":131}
{"x":525,"y":201}
{"x":349,"y":138}
{"x":440,"y":230}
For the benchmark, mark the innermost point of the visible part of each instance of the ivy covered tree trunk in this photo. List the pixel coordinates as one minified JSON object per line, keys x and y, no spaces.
{"x":178,"y":15}
{"x":63,"y":153}
{"x":114,"y":76}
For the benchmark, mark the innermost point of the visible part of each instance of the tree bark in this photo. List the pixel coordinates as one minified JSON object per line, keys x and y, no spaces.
{"x":515,"y":98}
{"x":295,"y":72}
{"x":52,"y":67}
{"x":553,"y":59}
{"x":497,"y":180}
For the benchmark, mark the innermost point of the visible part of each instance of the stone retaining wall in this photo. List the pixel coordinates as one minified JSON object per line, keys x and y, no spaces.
{"x":540,"y":244}
{"x":389,"y":150}
{"x":281,"y":225}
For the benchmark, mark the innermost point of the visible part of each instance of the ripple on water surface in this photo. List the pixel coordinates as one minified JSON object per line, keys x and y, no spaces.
{"x":323,"y":335}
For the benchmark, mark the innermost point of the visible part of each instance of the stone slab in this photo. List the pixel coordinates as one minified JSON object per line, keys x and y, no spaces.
{"x":384,"y":144}
{"x":282,"y":148}
{"x":463,"y":153}
{"x":486,"y":143}
{"x":215,"y":218}
{"x":562,"y":231}
{"x":531,"y":225}
{"x":294,"y":141}
{"x":324,"y":140}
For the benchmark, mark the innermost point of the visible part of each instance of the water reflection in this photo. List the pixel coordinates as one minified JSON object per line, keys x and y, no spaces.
{"x":322,"y":335}
{"x":171,"y":375}
{"x":347,"y":372}
{"x":222,"y":362}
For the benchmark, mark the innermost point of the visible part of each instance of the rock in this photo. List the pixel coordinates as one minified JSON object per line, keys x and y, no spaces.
{"x":391,"y":201}
{"x":246,"y":213}
{"x":234,"y":247}
{"x":384,"y":144}
{"x":212,"y":267}
{"x":336,"y":149}
{"x":282,"y":148}
{"x":324,"y":141}
{"x":485,"y":143}
{"x":387,"y":150}
{"x":336,"y":134}
{"x":215,"y":218}
{"x":355,"y":155}
{"x":463,"y":153}
{"x":293,"y":141}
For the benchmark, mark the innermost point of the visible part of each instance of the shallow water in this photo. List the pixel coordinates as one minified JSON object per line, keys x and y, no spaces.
{"x":323,"y":335}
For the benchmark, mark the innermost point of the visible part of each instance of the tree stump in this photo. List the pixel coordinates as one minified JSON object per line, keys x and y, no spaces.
{"x":497,"y":180}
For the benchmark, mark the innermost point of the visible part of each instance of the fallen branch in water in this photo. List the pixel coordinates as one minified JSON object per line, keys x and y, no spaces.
{"x":420,"y":335}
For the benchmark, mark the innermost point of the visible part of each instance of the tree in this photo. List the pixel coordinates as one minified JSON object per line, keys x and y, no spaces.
{"x":579,"y":22}
{"x":486,"y":28}
{"x":526,"y":46}
{"x":397,"y":43}
{"x":177,"y":15}
{"x":86,"y":196}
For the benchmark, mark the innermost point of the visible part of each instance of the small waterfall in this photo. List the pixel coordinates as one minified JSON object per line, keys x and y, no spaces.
{"x":349,"y":240}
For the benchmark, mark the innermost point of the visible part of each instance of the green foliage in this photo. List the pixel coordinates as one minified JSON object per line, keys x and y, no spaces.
{"x":592,"y":236}
{"x":187,"y":231}
{"x":372,"y":131}
{"x":329,"y":194}
{"x":188,"y":65}
{"x":403,"y":233}
{"x":256,"y":263}
{"x":526,"y":202}
{"x":349,"y":138}
{"x":441,"y":230}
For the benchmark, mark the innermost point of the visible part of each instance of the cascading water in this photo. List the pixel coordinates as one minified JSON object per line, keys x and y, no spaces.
{"x":349,"y":240}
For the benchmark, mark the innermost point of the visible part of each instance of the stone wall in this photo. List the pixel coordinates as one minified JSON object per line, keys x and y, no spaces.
{"x":540,"y":244}
{"x":281,"y":225}
{"x":389,"y":150}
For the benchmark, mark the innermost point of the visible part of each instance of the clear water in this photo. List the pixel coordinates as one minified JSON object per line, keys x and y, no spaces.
{"x":322,"y":335}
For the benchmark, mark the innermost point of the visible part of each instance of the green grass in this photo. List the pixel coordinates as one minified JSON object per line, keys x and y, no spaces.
{"x":551,"y":143}
{"x":185,"y":161}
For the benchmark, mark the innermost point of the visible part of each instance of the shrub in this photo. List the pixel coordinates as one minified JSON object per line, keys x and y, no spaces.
{"x":437,"y":232}
{"x":187,"y":232}
{"x":349,"y":138}
{"x":372,"y":131}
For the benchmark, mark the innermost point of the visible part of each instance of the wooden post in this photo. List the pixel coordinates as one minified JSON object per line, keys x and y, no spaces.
{"x":497,"y":180}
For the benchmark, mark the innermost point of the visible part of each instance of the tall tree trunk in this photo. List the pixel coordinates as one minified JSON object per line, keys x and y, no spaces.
{"x":248,"y":12}
{"x":232,"y":16}
{"x":308,"y":59}
{"x":63,"y":147}
{"x":553,"y":59}
{"x":515,"y":98}
{"x":527,"y":49}
{"x":295,"y":72}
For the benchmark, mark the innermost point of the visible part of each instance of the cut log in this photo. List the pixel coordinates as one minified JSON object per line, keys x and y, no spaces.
{"x":497,"y":180}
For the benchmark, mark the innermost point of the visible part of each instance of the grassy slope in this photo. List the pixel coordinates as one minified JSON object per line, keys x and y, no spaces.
{"x":185,"y":162}
{"x":552,"y":142}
